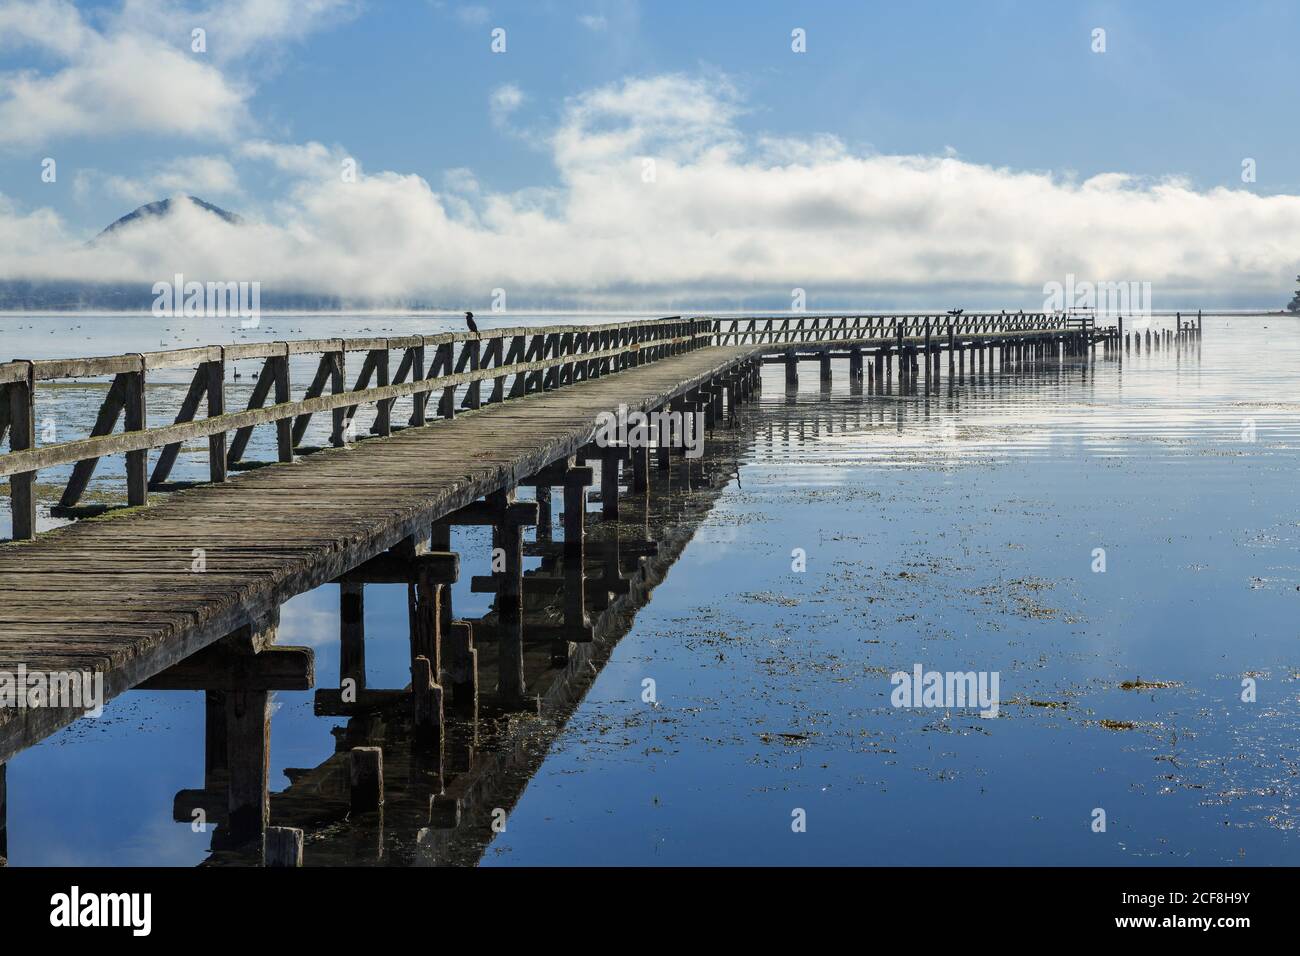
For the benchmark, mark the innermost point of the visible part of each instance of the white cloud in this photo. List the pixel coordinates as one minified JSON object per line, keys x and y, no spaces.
{"x":310,"y":160}
{"x":728,"y":217}
{"x":120,"y":86}
{"x":503,"y":101}
{"x":593,"y":22}
{"x":207,"y":176}
{"x":136,"y":73}
{"x":54,"y":25}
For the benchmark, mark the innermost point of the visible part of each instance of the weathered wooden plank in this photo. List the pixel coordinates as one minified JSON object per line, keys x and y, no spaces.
{"x":219,"y":668}
{"x":180,"y":358}
{"x":46,"y":370}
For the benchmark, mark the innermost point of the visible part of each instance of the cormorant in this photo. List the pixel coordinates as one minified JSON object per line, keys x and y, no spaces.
{"x":469,"y":320}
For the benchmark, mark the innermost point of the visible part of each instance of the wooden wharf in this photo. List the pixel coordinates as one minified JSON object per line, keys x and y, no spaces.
{"x":181,"y":588}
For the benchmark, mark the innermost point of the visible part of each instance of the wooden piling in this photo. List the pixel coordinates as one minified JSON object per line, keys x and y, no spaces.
{"x":424,"y":613}
{"x":460,"y":664}
{"x":575,"y":530}
{"x":248,"y":742}
{"x":508,"y":535}
{"x":929,"y":361}
{"x":427,"y":706}
{"x":282,"y":847}
{"x":663,"y":447}
{"x":544,"y":516}
{"x":609,"y":464}
{"x":440,"y":540}
{"x":640,"y":463}
{"x":366,"y":779}
{"x":352,"y":633}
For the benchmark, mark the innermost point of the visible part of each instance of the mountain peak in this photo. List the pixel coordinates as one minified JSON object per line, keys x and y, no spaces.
{"x":163,"y":207}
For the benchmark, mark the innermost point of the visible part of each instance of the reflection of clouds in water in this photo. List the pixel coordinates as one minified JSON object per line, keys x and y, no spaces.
{"x":159,"y":842}
{"x":162,"y":843}
{"x":717,"y":539}
{"x":972,"y":436}
{"x":310,"y":619}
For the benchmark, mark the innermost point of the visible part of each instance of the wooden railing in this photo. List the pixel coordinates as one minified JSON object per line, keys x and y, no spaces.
{"x":787,"y":329}
{"x":530,"y":359}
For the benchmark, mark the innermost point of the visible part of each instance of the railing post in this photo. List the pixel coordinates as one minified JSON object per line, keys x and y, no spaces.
{"x":216,"y":375}
{"x":473,"y":394}
{"x":283,"y":426}
{"x":338,"y":385}
{"x":384,"y":408}
{"x":420,"y":400}
{"x":137,"y":462}
{"x":22,"y":436}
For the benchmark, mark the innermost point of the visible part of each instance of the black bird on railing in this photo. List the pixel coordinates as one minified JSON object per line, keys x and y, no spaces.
{"x":469,"y":320}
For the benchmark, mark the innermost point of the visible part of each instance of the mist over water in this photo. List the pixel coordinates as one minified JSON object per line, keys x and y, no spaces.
{"x":958,"y":532}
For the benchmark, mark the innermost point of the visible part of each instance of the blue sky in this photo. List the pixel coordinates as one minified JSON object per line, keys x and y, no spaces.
{"x":1183,"y":91}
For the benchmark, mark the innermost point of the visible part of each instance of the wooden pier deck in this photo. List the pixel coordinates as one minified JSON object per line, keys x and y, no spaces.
{"x":117,"y":594}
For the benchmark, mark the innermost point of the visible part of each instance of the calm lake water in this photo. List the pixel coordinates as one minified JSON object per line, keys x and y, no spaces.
{"x":959,"y":533}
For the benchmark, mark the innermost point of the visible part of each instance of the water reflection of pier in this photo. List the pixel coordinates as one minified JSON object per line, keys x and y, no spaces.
{"x":396,"y":792}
